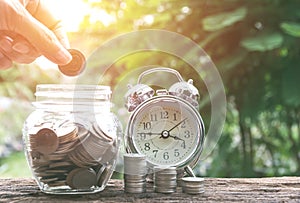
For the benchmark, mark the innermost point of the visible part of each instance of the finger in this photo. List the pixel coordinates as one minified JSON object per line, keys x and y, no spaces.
{"x":17,"y":49}
{"x":6,"y":44}
{"x":41,"y":11}
{"x":17,"y":57}
{"x":4,"y":62}
{"x":37,"y":34}
{"x":22,"y":46}
{"x":44,"y":40}
{"x":18,"y":43}
{"x":61,"y":36}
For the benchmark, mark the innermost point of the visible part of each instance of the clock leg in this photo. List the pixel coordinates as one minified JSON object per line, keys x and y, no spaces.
{"x":189,"y":171}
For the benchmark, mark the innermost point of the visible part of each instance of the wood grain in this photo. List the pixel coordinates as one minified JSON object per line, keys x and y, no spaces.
{"x":283,"y":189}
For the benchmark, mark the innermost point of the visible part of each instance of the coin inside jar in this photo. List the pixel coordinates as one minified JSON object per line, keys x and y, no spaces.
{"x":82,"y":178}
{"x":46,"y":141}
{"x":75,"y":66}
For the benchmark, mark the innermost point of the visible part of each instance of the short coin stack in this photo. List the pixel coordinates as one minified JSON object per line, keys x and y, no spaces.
{"x":165,"y":179}
{"x":72,"y":156}
{"x":193,"y":185}
{"x":135,"y":171}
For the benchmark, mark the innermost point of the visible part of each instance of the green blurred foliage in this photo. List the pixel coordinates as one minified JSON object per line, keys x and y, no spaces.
{"x":10,"y":166}
{"x":255,"y":46}
{"x":17,"y":87}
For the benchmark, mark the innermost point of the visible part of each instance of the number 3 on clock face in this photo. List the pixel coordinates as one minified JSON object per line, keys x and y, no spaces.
{"x":168,"y":130}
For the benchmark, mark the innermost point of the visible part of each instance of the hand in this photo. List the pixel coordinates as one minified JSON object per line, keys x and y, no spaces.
{"x":28,"y":30}
{"x":176,"y":125}
{"x":177,"y":138}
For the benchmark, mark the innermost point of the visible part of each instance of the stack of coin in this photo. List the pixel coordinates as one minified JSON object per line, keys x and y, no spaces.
{"x":193,"y":185}
{"x":165,"y":179}
{"x":72,"y":155}
{"x":135,"y":171}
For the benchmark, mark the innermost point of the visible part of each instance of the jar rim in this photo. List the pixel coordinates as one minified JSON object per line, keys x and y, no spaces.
{"x":71,"y":87}
{"x":72,"y":92}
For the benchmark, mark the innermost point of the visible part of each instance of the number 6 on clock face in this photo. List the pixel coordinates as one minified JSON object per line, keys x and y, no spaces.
{"x":168,"y":130}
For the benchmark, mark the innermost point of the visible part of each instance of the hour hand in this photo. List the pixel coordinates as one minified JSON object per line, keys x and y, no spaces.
{"x":177,"y":138}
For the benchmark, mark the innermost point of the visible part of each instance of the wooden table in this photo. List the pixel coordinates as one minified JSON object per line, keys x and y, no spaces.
{"x":285,"y":189}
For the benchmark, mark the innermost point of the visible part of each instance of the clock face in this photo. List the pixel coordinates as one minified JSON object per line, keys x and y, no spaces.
{"x":167,"y":130}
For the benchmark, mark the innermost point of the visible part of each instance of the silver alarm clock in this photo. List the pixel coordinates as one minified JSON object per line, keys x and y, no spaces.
{"x":165,"y":125}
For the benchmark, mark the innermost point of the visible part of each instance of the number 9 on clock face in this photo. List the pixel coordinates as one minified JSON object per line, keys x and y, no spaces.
{"x":168,"y":130}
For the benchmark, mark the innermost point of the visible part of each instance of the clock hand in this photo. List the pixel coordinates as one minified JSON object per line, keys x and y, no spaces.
{"x":177,"y":125}
{"x":177,"y":138}
{"x":150,"y":133}
{"x":166,"y":133}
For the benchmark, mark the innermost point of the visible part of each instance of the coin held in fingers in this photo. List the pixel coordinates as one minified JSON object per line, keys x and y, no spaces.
{"x":75,"y":66}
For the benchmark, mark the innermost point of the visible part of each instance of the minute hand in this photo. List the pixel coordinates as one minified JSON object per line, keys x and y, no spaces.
{"x":177,"y":125}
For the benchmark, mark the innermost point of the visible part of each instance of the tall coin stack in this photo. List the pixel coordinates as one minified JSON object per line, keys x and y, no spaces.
{"x":165,"y":179}
{"x":135,"y":171}
{"x":193,"y":185}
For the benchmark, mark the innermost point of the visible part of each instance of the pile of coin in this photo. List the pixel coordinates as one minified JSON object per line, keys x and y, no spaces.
{"x":165,"y":179}
{"x":135,"y":172}
{"x":193,"y":185}
{"x":72,"y":155}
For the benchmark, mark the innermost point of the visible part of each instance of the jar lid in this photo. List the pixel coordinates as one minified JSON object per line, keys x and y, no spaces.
{"x":73,"y":91}
{"x":72,"y":97}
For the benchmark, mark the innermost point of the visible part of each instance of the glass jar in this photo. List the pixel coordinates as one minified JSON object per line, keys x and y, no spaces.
{"x":72,"y":138}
